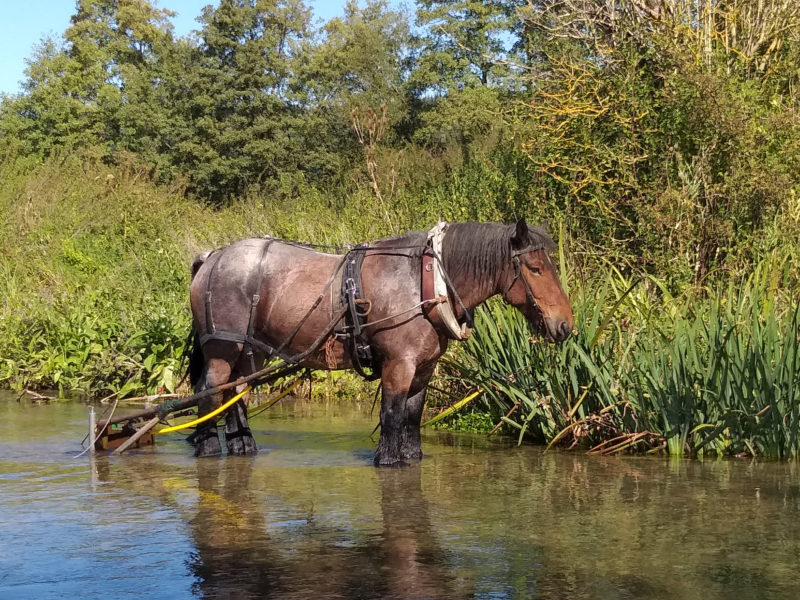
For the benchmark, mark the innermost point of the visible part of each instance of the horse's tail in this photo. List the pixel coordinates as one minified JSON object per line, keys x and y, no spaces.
{"x":198,"y":262}
{"x":197,"y":361}
{"x":193,"y":350}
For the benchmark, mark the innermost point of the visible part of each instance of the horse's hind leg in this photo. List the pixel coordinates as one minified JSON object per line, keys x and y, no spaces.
{"x":238,"y":436}
{"x":206,"y":438}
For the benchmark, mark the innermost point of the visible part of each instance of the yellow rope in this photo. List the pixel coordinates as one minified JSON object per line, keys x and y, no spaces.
{"x":227,"y":405}
{"x":205,"y":418}
{"x":296,"y":382}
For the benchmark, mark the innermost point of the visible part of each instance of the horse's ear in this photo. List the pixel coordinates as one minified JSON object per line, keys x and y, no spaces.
{"x":545,"y":226}
{"x":521,"y":235}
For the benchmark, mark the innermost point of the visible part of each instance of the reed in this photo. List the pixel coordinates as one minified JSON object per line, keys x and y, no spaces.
{"x":710,"y":373}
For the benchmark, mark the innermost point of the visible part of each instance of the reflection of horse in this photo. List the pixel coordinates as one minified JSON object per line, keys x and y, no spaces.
{"x":414,"y":563}
{"x":240,"y":553}
{"x":260,"y":298}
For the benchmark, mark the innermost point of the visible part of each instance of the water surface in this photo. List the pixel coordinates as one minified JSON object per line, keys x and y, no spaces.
{"x":309,"y":517}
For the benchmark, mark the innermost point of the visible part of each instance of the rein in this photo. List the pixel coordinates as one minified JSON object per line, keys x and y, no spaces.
{"x":346,"y":249}
{"x":518,"y":275}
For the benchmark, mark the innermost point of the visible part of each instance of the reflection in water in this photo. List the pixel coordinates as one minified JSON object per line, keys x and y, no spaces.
{"x":232,"y":555}
{"x":309,"y":517}
{"x":236,"y":557}
{"x":411,"y":557}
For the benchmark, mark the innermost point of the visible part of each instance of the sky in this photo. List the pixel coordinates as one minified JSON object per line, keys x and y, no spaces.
{"x":23,"y":24}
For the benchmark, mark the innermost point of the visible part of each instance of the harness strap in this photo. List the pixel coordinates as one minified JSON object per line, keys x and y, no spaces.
{"x":247,"y":339}
{"x":239,"y":338}
{"x":518,"y":275}
{"x":359,"y":348}
{"x":210,"y":327}
{"x":254,"y":306}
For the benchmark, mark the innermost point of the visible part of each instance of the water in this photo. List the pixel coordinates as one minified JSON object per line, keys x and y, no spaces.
{"x":310,"y":517}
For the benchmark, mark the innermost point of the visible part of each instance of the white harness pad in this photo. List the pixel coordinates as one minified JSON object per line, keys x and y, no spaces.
{"x":436,"y":237}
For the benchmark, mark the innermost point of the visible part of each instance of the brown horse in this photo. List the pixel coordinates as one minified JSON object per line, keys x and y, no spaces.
{"x":262,"y":297}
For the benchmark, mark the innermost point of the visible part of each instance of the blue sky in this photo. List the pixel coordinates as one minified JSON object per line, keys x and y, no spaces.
{"x":23,"y":23}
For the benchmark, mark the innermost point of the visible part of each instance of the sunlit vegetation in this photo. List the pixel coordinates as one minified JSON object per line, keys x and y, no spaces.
{"x":660,"y":139}
{"x":710,"y":372}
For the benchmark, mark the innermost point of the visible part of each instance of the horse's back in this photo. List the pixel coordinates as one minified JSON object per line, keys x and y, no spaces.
{"x":283,"y":279}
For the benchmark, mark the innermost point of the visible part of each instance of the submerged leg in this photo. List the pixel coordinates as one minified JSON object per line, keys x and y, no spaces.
{"x":404,"y":387}
{"x":206,"y":439}
{"x":410,"y":443}
{"x":396,"y":381}
{"x":238,"y":436}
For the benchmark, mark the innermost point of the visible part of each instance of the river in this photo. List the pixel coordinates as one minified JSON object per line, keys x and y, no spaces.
{"x":310,"y":517}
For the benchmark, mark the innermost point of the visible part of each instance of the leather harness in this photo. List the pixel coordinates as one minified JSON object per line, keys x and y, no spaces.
{"x":358,"y":308}
{"x":437,"y":288}
{"x":351,"y":296}
{"x":249,"y":341}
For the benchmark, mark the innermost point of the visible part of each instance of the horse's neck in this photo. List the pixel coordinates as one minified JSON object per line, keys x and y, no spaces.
{"x":473,"y":294}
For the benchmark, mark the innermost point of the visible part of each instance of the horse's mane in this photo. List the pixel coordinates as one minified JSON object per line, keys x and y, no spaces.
{"x":478,"y":250}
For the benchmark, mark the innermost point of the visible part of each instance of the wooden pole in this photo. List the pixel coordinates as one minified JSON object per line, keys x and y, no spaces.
{"x":192,"y":400}
{"x":92,"y":431}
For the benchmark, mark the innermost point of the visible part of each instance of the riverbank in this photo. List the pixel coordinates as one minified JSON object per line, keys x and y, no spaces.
{"x":95,"y":272}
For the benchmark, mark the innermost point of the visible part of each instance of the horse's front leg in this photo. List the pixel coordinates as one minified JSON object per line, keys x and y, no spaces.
{"x":401,"y":411}
{"x":410,"y":442}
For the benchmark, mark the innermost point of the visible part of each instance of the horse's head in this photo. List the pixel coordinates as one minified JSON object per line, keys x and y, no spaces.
{"x":532,"y":284}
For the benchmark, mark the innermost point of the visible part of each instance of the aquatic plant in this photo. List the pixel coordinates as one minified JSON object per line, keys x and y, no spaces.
{"x":709,"y":373}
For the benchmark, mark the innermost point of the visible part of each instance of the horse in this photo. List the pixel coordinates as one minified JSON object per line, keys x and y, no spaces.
{"x":261,"y":298}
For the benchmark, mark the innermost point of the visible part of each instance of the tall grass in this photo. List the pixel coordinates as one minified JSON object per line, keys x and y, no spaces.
{"x":713,"y":373}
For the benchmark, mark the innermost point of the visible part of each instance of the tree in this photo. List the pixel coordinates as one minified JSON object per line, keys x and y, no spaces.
{"x":356,"y":65}
{"x":52,"y":112}
{"x":650,"y":123}
{"x":237,"y":100}
{"x":466,"y":43}
{"x":76,"y":92}
{"x":463,"y":70}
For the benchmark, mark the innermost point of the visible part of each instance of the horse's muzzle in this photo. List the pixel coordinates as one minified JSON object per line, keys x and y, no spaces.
{"x":558,"y":330}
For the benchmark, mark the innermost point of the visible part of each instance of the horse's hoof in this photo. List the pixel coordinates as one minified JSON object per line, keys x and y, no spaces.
{"x":383,"y":460}
{"x":413,"y":457}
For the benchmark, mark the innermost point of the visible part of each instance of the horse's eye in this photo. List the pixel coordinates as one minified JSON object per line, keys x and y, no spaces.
{"x":536,"y":270}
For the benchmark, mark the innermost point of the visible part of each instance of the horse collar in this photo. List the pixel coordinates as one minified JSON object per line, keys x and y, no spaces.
{"x":436,"y":285}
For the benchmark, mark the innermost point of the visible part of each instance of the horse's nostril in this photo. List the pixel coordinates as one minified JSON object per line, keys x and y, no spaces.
{"x":565,"y":330}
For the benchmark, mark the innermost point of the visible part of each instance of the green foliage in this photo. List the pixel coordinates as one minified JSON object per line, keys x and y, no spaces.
{"x":652,"y":134}
{"x":709,"y":374}
{"x":469,"y":422}
{"x":93,"y":278}
{"x":662,"y":147}
{"x":464,"y":44}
